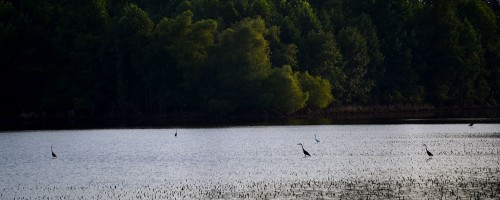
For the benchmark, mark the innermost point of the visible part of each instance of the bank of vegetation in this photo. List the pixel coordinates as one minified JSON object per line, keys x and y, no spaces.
{"x":231,"y":57}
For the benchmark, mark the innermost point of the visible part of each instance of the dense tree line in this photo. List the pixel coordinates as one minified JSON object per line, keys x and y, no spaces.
{"x":98,"y":57}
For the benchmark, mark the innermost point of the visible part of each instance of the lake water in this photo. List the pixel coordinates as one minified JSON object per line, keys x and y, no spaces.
{"x":261,"y":162}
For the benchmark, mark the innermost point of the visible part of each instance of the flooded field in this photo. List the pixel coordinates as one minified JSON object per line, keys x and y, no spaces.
{"x":263,"y":162}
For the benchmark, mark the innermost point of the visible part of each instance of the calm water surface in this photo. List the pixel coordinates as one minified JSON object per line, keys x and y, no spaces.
{"x":350,"y":161}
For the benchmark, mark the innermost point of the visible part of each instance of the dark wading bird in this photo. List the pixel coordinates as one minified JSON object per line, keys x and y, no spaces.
{"x":428,"y":152}
{"x":317,"y":141}
{"x":175,"y":133}
{"x":305,"y":152}
{"x":471,"y":124}
{"x":53,"y":154}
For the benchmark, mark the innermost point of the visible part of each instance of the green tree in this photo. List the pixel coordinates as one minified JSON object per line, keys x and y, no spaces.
{"x":281,"y":53}
{"x":317,"y":88}
{"x":188,"y":43}
{"x":261,"y":8}
{"x":239,"y":63}
{"x":330,"y":13}
{"x":321,"y":57}
{"x":284,"y":91}
{"x":295,"y":18}
{"x":459,"y":59}
{"x":484,"y":21}
{"x":355,"y":51}
{"x":376,"y":69}
{"x":96,"y":57}
{"x":398,"y":25}
{"x":89,"y":26}
{"x":25,"y":54}
{"x":13,"y":25}
{"x":129,"y":38}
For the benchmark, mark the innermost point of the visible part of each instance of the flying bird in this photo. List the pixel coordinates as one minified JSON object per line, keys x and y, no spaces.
{"x":305,"y":152}
{"x":428,"y":152}
{"x":53,"y":154}
{"x":317,"y":141}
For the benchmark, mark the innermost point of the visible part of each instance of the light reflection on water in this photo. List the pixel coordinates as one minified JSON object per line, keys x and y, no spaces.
{"x":351,"y":161}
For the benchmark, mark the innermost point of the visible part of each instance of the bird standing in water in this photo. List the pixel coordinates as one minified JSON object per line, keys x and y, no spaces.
{"x":303,"y":150}
{"x":53,"y":154}
{"x":317,"y":141}
{"x":428,"y":152}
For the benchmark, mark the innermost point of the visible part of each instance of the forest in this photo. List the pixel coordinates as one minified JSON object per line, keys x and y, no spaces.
{"x":225,"y":57}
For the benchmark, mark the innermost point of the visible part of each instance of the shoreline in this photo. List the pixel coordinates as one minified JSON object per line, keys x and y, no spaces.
{"x":197,"y":120}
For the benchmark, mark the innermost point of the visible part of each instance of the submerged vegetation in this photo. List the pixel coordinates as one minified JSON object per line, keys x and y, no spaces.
{"x":108,"y":57}
{"x":402,"y":187}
